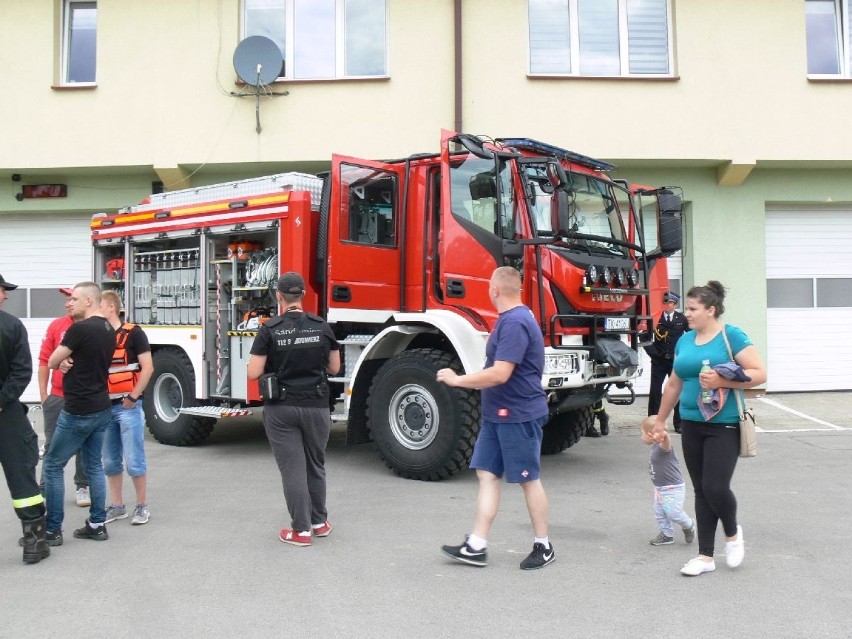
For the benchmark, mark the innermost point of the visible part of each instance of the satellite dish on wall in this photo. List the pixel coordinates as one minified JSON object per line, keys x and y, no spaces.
{"x":257,"y":60}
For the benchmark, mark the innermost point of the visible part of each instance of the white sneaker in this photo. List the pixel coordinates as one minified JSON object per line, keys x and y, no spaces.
{"x":83,"y":499}
{"x":697,"y":566}
{"x":735,"y":550}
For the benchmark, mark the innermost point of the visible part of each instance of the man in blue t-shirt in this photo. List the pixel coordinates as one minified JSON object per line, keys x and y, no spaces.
{"x":514,"y":410}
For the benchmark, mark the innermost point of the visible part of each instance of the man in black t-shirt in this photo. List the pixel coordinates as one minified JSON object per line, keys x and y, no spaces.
{"x":300,"y":348}
{"x":85,"y":355}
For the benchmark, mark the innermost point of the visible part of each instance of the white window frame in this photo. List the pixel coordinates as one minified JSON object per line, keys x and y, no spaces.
{"x":623,"y":42}
{"x":339,"y":43}
{"x":842,"y":17}
{"x":66,"y":43}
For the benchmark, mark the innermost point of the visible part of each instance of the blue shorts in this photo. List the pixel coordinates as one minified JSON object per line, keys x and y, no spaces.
{"x":510,"y":448}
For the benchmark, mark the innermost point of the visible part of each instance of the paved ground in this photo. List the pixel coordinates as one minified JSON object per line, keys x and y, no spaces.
{"x":209,"y":563}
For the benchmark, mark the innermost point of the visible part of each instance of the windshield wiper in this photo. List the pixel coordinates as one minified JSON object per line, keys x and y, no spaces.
{"x":563,"y":235}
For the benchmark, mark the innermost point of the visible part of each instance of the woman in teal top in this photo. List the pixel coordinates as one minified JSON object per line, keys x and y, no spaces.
{"x":710,"y":446}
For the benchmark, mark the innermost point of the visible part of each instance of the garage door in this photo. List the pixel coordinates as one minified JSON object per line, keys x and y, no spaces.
{"x":809,"y":299}
{"x":41,"y":252}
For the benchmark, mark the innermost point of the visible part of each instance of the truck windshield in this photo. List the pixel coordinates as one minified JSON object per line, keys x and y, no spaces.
{"x":589,"y":208}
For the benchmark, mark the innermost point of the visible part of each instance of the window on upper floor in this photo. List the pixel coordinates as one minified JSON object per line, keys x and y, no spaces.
{"x":631,"y":38}
{"x":323,"y":39}
{"x":79,"y":41}
{"x":829,"y":37}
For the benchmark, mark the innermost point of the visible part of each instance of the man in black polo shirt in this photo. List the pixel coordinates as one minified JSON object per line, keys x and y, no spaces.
{"x":299,"y":348}
{"x":85,"y":355}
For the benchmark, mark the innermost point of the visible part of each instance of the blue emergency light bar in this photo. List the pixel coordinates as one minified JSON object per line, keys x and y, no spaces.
{"x":548,"y":149}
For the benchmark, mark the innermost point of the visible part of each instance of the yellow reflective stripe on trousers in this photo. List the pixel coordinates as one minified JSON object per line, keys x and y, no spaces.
{"x":28,"y":501}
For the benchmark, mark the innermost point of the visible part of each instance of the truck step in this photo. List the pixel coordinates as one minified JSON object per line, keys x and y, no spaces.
{"x":339,"y":417}
{"x":342,"y":380}
{"x":215,"y":411}
{"x":357,"y":339}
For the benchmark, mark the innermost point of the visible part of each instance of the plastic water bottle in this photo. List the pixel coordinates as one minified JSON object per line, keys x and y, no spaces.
{"x":706,"y":393}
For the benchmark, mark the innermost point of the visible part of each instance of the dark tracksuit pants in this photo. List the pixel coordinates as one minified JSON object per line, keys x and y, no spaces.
{"x":660,"y":369}
{"x":19,"y":457}
{"x":298,"y":437}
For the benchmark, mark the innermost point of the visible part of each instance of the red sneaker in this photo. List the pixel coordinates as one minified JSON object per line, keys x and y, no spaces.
{"x":295,"y":538}
{"x":323,"y":530}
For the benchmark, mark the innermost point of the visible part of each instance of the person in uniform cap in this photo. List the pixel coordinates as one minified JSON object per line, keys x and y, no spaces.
{"x":671,"y":325}
{"x":18,"y":440}
{"x":291,"y":357}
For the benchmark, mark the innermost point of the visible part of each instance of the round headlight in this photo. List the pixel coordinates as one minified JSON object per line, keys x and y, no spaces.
{"x":608,"y":275}
{"x":621,"y":274}
{"x":592,"y":274}
{"x":634,"y":276}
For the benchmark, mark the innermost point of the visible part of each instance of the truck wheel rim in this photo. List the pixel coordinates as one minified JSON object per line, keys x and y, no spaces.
{"x":168,"y":397}
{"x":413,"y":417}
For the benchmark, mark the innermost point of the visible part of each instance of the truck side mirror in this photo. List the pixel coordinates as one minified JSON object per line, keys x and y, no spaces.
{"x":556,"y":175}
{"x":671,"y":222}
{"x":559,"y":210}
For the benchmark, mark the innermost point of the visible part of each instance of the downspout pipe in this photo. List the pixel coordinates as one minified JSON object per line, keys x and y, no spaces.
{"x":457,"y":65}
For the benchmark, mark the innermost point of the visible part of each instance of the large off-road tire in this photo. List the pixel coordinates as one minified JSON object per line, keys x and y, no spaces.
{"x":421,"y":428}
{"x":566,"y":429}
{"x":171,"y":388}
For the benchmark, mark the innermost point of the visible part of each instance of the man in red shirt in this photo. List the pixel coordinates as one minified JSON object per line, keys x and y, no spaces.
{"x":52,"y":398}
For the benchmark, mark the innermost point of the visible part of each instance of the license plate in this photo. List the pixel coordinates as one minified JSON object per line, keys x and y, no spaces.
{"x":616,"y":323}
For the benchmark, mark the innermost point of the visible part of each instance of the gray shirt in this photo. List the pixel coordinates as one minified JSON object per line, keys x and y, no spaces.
{"x":664,"y":467}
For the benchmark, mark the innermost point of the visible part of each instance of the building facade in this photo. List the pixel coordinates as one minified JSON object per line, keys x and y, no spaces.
{"x":741,"y":104}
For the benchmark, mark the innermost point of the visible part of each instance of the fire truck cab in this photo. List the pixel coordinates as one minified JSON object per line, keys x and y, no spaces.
{"x":397,"y":256}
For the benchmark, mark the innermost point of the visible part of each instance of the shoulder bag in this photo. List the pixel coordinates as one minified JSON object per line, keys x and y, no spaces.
{"x":748,"y":429}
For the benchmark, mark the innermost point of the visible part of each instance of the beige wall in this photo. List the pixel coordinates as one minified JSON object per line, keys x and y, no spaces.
{"x":165,"y":70}
{"x":741,"y":91}
{"x":164,"y":73}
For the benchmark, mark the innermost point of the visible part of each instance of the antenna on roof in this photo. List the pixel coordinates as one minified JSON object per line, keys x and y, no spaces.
{"x":258,"y":61}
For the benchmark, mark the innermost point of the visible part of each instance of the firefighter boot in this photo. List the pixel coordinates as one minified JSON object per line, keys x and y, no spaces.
{"x":35,"y":547}
{"x":604,"y":418}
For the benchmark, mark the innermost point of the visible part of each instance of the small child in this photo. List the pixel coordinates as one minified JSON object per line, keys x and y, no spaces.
{"x":669,"y":488}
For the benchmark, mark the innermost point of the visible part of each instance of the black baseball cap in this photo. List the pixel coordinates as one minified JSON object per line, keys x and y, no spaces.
{"x":291,"y":283}
{"x":7,"y":285}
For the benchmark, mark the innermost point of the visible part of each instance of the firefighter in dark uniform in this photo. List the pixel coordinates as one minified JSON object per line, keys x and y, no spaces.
{"x":291,"y":357}
{"x":671,"y":325}
{"x":18,"y":440}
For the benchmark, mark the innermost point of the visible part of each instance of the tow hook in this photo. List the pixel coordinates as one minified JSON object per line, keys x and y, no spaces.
{"x":623,"y":401}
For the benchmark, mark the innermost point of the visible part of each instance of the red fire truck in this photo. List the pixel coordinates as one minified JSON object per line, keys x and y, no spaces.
{"x":397,"y":256}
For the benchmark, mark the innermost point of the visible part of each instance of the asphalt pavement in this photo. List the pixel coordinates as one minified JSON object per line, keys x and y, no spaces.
{"x":209,"y":563}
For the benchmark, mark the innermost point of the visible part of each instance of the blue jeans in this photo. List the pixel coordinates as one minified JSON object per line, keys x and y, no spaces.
{"x":124,"y":439}
{"x":668,"y":508}
{"x":73,"y":432}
